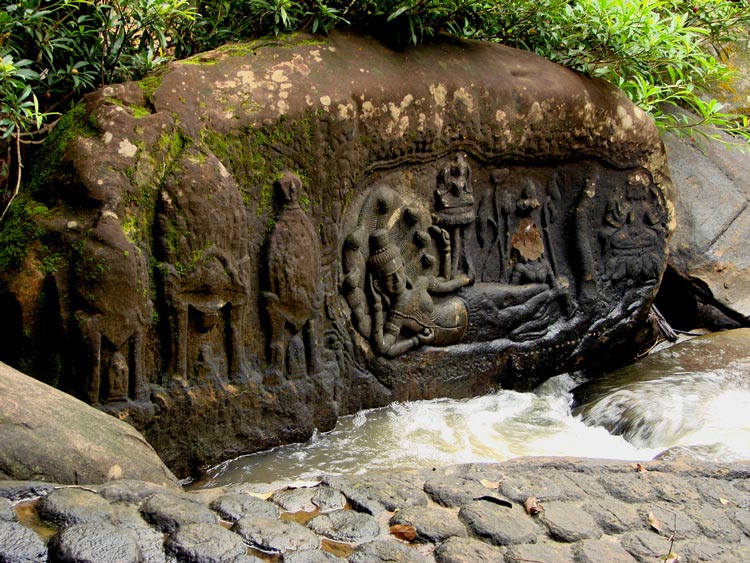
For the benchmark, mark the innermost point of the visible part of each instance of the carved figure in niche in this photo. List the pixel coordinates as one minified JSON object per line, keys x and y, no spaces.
{"x":493,"y":228}
{"x":354,"y":267}
{"x":633,"y":231}
{"x":203,"y":243}
{"x":411,"y":317}
{"x":531,"y":246}
{"x":293,"y":301}
{"x":112,"y":312}
{"x":454,"y":208}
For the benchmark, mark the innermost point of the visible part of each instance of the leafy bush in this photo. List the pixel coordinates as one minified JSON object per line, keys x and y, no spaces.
{"x":659,"y":52}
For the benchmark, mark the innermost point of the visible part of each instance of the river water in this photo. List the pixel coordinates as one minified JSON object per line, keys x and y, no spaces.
{"x":700,"y":413}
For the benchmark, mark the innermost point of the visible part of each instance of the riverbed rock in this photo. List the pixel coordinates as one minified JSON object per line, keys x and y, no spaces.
{"x":234,"y":506}
{"x":275,"y":536}
{"x":432,"y":525}
{"x":381,"y":551}
{"x":346,"y":526}
{"x":68,"y":506}
{"x":94,"y":543}
{"x":46,"y":434}
{"x":204,"y":253}
{"x":169,"y":512}
{"x":468,"y":550}
{"x":19,"y":544}
{"x":205,"y":543}
{"x":499,"y":525}
{"x":7,"y":514}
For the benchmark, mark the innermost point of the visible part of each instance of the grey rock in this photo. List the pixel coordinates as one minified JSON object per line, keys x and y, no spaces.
{"x":598,"y":551}
{"x":468,"y":550}
{"x":149,"y":540}
{"x":432,"y":524}
{"x":94,"y":543}
{"x":131,"y":491}
{"x":234,"y":506}
{"x":68,"y":506}
{"x":394,"y":490}
{"x":673,"y":519}
{"x":717,"y":492}
{"x":631,"y":488}
{"x":520,"y":487}
{"x":205,"y":543}
{"x":701,"y":550}
{"x":346,"y":526}
{"x":7,"y":514}
{"x":310,"y":556}
{"x":358,"y":497}
{"x":455,"y":491}
{"x":168,"y":512}
{"x":547,"y":552}
{"x":295,"y":500}
{"x":328,"y":499}
{"x":25,"y":490}
{"x":275,"y":535}
{"x":644,"y":546}
{"x":499,"y":525}
{"x":614,"y":516}
{"x":383,"y":551}
{"x":19,"y":544}
{"x":715,"y":523}
{"x":567,"y":522}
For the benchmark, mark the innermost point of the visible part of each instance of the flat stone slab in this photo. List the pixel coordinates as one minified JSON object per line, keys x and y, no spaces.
{"x":346,"y":525}
{"x":432,"y":525}
{"x":205,"y":543}
{"x":68,"y":506}
{"x":468,"y":550}
{"x":499,"y":525}
{"x":235,"y":506}
{"x":19,"y":544}
{"x":94,"y":543}
{"x":169,"y":512}
{"x":275,"y":536}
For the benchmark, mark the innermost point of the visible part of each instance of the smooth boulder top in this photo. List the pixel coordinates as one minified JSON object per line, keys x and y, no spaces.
{"x":48,"y":435}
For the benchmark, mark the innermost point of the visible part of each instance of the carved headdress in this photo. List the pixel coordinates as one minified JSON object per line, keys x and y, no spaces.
{"x":385,"y":257}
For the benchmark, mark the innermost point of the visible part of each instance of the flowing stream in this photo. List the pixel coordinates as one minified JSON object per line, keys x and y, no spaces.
{"x":697,"y":407}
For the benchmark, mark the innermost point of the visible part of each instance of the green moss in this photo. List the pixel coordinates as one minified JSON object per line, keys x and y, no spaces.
{"x":18,"y":230}
{"x":151,"y":83}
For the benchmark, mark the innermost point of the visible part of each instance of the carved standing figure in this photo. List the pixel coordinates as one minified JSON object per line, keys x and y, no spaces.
{"x":293,"y":300}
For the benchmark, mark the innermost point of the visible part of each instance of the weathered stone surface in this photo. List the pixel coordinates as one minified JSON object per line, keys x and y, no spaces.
{"x":169,"y":512}
{"x":310,"y":556}
{"x":48,"y":435}
{"x":596,"y":551}
{"x":614,"y":516}
{"x":567,"y":522}
{"x":328,"y":499}
{"x":276,"y":536}
{"x":271,"y":235}
{"x":455,"y":491}
{"x":709,"y":279}
{"x":7,"y":514}
{"x":433,"y":525}
{"x":205,"y":543}
{"x":468,"y":550}
{"x":94,"y":543}
{"x":130,"y":491}
{"x":65,"y":507}
{"x":21,"y":490}
{"x":19,"y":544}
{"x":382,"y":551}
{"x":499,"y":525}
{"x":346,"y":525}
{"x":547,"y":552}
{"x":234,"y":506}
{"x":295,"y":500}
{"x":377,"y":491}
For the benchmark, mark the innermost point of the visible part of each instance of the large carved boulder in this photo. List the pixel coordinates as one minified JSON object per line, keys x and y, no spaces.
{"x":255,"y":241}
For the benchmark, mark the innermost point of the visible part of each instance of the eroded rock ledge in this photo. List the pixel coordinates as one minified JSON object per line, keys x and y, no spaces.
{"x":590,"y":511}
{"x":267,"y":236}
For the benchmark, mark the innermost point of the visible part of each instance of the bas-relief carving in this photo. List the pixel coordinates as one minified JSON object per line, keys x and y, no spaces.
{"x":203,"y":240}
{"x":293,"y":300}
{"x":408,"y":259}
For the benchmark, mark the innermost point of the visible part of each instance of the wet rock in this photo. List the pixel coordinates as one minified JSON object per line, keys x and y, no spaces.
{"x":392,"y":491}
{"x":499,"y":525}
{"x":168,"y":512}
{"x":19,"y":544}
{"x":150,"y":541}
{"x":468,"y":550}
{"x":94,"y":543}
{"x":346,"y":525}
{"x":614,"y":516}
{"x":433,"y":525}
{"x":455,"y":491}
{"x":295,"y":500}
{"x":275,"y":535}
{"x":48,"y":435}
{"x":205,"y":543}
{"x":23,"y":490}
{"x":131,"y":491}
{"x":7,"y":514}
{"x":234,"y":506}
{"x":715,"y":523}
{"x":519,"y":488}
{"x":629,"y":488}
{"x":547,"y":552}
{"x":382,"y":551}
{"x":310,"y":556}
{"x":567,"y":522}
{"x":358,"y":498}
{"x":68,"y":506}
{"x":597,"y":551}
{"x":328,"y":499}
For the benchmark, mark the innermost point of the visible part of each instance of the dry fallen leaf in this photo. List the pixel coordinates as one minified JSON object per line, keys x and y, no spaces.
{"x":723,"y":501}
{"x":490,"y":484}
{"x":532,"y":506}
{"x":404,"y":531}
{"x":640,"y":468}
{"x":654,"y":522}
{"x":671,"y":558}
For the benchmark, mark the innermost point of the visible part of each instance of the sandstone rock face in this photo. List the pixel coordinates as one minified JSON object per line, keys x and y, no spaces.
{"x":49,"y":435}
{"x":265,"y":237}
